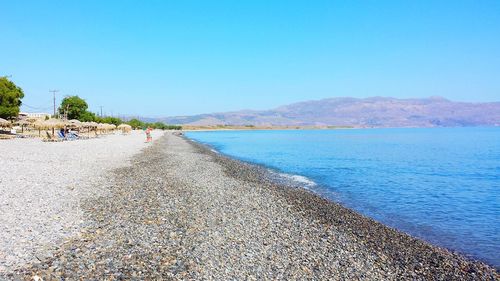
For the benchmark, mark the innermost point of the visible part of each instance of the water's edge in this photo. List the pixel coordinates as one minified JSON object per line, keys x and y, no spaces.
{"x":293,"y":181}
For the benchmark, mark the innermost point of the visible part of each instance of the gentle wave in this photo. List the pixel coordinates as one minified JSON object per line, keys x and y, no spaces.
{"x":300,"y":180}
{"x":292,"y":179}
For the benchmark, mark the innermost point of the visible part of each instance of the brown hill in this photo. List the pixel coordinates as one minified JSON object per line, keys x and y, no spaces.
{"x":369,"y":112}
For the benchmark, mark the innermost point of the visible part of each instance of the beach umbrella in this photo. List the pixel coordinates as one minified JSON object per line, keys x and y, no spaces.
{"x":89,"y":124}
{"x":48,"y":124}
{"x":4,"y":123}
{"x":38,"y":124}
{"x":53,"y":123}
{"x":75,"y":123}
{"x":23,"y":123}
{"x":105,"y":127}
{"x":125,"y":128}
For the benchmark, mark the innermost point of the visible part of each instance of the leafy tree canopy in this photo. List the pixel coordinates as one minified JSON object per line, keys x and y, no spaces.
{"x":112,"y":120}
{"x":162,"y":126}
{"x":10,"y":98}
{"x":136,"y":123}
{"x":88,"y":116}
{"x":74,"y":106}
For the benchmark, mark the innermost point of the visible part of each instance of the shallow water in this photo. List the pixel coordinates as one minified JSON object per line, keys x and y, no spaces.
{"x":439,"y":184}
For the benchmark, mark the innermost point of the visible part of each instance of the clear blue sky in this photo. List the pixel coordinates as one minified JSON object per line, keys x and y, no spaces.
{"x":162,"y":58}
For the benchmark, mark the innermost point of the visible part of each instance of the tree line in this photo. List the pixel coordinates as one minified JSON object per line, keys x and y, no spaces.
{"x":71,"y":107}
{"x":75,"y":107}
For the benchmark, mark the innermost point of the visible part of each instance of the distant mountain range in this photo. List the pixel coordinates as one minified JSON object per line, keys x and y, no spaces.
{"x":368,"y":112}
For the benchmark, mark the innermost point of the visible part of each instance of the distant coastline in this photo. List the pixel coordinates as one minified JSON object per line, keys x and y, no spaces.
{"x":374,"y":112}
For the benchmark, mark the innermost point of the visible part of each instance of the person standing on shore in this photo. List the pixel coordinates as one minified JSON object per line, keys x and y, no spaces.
{"x":148,"y":135}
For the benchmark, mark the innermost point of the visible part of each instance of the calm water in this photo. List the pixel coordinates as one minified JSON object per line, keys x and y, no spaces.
{"x":440,"y":184}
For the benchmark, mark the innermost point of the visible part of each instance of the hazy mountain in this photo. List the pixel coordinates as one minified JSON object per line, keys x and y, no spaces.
{"x":369,"y":112}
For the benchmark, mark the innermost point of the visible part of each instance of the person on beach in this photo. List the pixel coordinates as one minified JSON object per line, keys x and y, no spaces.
{"x":148,"y":135}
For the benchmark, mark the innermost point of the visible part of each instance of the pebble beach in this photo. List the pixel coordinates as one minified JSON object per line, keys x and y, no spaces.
{"x":117,"y":209}
{"x":42,"y":185}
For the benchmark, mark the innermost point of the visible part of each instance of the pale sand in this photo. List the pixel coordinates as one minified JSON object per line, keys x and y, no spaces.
{"x":42,"y":185}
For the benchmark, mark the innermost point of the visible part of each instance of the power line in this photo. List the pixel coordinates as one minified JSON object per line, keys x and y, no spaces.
{"x":36,"y":108}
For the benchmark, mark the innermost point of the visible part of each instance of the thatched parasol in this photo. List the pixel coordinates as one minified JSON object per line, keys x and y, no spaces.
{"x":22,"y":122}
{"x":74,"y":123}
{"x":48,"y":124}
{"x":32,"y":119}
{"x":125,"y":128}
{"x":4,"y":123}
{"x":89,"y":124}
{"x":53,"y":123}
{"x":105,"y":127}
{"x":38,"y":124}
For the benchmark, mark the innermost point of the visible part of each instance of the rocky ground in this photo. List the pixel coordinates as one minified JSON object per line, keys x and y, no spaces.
{"x":181,"y":211}
{"x":42,"y":185}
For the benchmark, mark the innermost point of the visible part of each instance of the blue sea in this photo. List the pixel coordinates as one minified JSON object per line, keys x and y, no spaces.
{"x":439,"y":184}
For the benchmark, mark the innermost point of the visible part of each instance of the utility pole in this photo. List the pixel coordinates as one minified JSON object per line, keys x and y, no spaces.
{"x":54,"y":93}
{"x":101,"y":109}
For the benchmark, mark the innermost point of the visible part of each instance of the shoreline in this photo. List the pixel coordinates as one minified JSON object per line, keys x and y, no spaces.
{"x":279,"y":177}
{"x":302,"y":189}
{"x":183,"y":211}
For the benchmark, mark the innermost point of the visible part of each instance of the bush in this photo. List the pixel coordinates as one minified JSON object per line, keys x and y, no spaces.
{"x":136,"y":123}
{"x":112,"y":120}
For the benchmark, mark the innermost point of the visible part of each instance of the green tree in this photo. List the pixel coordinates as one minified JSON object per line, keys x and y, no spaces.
{"x":136,"y":124}
{"x":159,"y":125}
{"x":173,"y":127}
{"x":74,"y":106}
{"x":112,"y":120}
{"x":10,"y":98}
{"x":88,"y":116}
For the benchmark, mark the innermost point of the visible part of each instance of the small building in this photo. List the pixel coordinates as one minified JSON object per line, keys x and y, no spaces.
{"x":37,"y":115}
